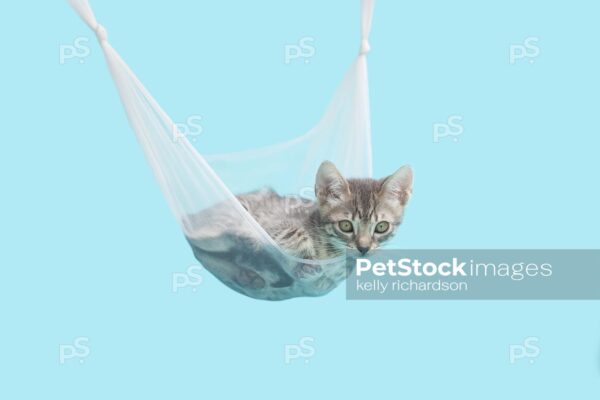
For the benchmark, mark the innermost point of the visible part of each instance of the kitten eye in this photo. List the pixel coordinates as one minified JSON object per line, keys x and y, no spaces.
{"x":346,"y":226}
{"x":382,"y":227}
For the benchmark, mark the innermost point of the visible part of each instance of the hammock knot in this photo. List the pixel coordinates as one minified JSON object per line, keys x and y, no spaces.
{"x":364,"y":47}
{"x":101,"y":33}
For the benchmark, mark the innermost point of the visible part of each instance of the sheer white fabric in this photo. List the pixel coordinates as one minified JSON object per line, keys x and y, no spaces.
{"x":193,"y":183}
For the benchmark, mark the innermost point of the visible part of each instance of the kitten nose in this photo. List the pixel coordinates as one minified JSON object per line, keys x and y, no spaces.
{"x":363,"y":249}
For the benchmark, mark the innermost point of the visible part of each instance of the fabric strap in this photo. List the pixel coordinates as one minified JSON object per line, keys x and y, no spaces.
{"x":83,"y":8}
{"x":367,"y":7}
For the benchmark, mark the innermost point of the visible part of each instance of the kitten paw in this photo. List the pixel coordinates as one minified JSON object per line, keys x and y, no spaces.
{"x":249,"y":279}
{"x":325,"y":284}
{"x":305,"y":271}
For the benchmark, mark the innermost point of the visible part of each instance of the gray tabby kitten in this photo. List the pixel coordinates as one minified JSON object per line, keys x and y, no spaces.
{"x":350,"y":216}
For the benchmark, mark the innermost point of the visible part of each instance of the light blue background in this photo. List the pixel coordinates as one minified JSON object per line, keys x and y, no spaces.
{"x":89,"y":246}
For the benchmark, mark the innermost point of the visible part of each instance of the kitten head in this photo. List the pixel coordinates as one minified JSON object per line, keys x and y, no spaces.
{"x":361,"y":214}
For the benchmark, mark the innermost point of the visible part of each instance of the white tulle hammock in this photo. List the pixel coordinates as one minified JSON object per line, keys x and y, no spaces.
{"x":194,"y":184}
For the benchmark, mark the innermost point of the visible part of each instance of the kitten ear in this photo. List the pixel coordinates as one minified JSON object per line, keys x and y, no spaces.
{"x":398,"y":186}
{"x":330,"y":186}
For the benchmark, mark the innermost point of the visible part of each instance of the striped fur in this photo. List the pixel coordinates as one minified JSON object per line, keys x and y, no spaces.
{"x":303,"y":229}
